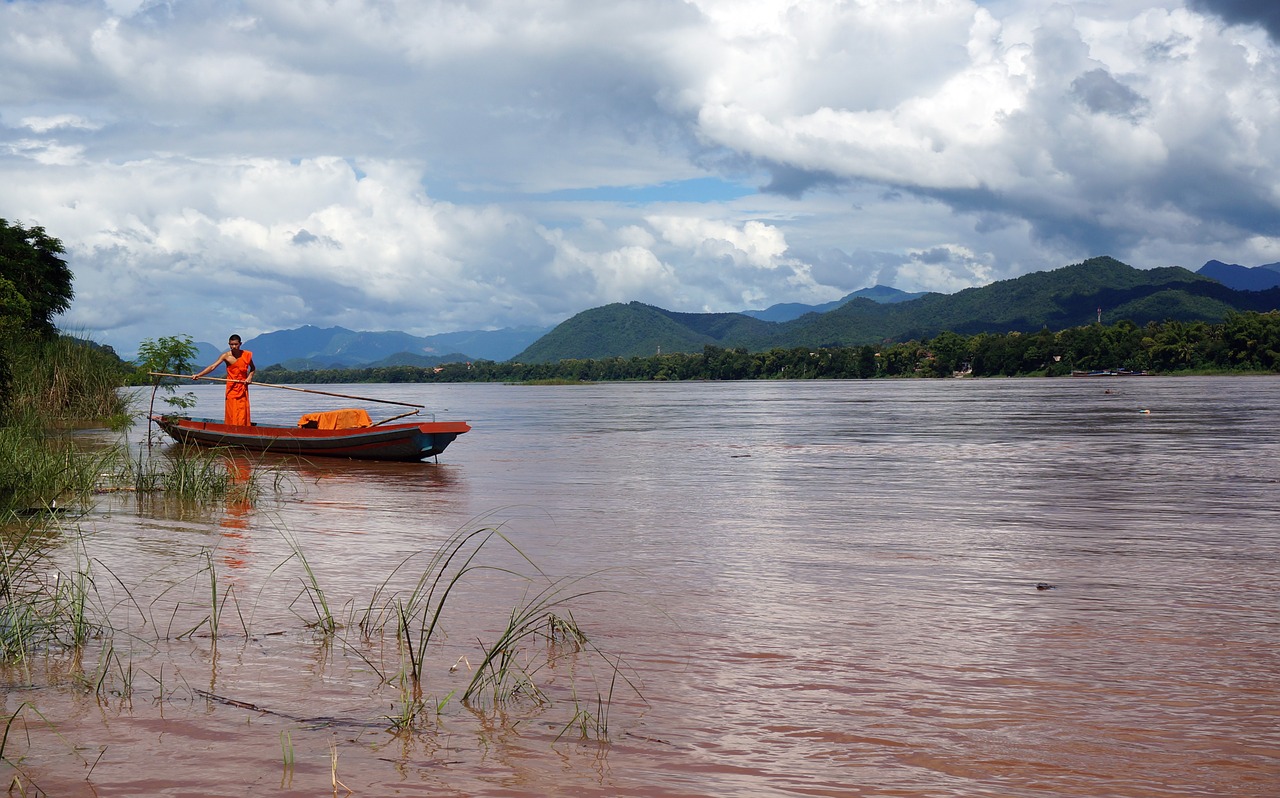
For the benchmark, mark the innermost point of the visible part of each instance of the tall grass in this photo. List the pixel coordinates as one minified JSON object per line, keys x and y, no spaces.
{"x":40,"y":471}
{"x":324,"y":620}
{"x":416,"y":616}
{"x":503,"y":674}
{"x":65,"y":382}
{"x":188,"y":473}
{"x":57,"y":384}
{"x":43,"y":471}
{"x":41,"y":605}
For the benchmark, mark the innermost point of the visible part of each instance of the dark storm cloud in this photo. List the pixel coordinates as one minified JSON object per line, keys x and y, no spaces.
{"x":1265,"y":13}
{"x":936,"y":255}
{"x":793,"y":182}
{"x":1098,"y":229}
{"x":1098,"y":91}
{"x":305,"y":237}
{"x":1218,"y":195}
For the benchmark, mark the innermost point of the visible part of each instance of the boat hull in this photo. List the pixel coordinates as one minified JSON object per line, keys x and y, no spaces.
{"x":404,"y":442}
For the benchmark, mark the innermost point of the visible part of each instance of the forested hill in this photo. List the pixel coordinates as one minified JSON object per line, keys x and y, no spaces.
{"x":636,"y":328}
{"x":1062,"y":298}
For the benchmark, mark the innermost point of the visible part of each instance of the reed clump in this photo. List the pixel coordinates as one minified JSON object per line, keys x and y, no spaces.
{"x":191,"y":474}
{"x":40,"y":471}
{"x":41,"y":605}
{"x":44,"y":473}
{"x":538,"y":631}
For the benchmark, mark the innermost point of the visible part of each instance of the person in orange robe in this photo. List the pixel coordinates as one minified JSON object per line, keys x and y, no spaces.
{"x":240,"y":370}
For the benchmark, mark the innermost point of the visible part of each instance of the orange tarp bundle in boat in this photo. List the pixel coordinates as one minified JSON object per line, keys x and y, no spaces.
{"x":350,"y":418}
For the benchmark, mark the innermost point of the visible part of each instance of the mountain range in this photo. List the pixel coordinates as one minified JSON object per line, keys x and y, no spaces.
{"x":794,"y":310}
{"x":1099,"y":289}
{"x":1069,"y":296}
{"x":309,"y":347}
{"x":1243,"y":278}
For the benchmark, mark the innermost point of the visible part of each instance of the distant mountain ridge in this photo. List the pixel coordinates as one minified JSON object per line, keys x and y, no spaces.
{"x":794,"y":310}
{"x":1066,"y":297}
{"x":310,"y":347}
{"x":1242,"y":278}
{"x":867,"y":315}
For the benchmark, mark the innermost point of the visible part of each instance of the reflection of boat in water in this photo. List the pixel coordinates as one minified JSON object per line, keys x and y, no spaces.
{"x":379,"y":442}
{"x":1109,"y":373}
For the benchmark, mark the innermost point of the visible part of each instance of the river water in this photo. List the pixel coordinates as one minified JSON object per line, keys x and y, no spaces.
{"x":868,"y":588}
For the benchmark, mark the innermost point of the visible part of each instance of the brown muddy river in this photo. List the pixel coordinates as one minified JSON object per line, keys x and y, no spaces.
{"x":808,"y":589}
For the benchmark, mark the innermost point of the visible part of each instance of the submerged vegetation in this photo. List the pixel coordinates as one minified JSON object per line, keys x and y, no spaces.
{"x":538,"y":631}
{"x":62,"y":607}
{"x":40,"y":606}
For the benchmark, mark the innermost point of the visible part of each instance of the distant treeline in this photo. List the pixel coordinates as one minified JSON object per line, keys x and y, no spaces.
{"x":1245,"y":342}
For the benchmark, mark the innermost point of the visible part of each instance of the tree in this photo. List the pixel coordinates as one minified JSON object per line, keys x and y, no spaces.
{"x":951,"y":352}
{"x":29,"y":260}
{"x":1253,"y":340}
{"x":15,"y":311}
{"x":168,"y":355}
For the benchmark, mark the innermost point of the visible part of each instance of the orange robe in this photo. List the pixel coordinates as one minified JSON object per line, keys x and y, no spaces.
{"x":237,"y":403}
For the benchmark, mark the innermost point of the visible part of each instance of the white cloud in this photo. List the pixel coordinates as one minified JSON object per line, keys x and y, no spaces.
{"x":38,"y":124}
{"x":45,"y":152}
{"x":752,"y":244}
{"x":946,"y":268}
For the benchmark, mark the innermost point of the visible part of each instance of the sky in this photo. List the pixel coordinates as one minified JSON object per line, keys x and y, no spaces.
{"x":432,"y":166}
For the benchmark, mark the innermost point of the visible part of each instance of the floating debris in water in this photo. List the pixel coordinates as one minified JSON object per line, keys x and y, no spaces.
{"x":1045,"y":586}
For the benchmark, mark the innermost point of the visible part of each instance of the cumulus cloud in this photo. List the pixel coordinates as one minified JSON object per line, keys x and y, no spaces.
{"x":45,"y":124}
{"x":444,"y":166}
{"x":946,"y":268}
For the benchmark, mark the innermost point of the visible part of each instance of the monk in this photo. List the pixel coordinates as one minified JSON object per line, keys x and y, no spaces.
{"x":240,"y":370}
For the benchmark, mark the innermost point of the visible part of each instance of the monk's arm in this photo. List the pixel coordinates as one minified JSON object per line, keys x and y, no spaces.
{"x":221,"y":359}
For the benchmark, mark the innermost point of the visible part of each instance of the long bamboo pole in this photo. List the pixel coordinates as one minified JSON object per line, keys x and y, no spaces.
{"x":287,"y":388}
{"x":393,"y":418}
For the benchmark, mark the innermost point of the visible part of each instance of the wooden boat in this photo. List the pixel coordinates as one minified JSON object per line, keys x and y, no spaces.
{"x":1109,"y":373}
{"x":405,"y":442}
